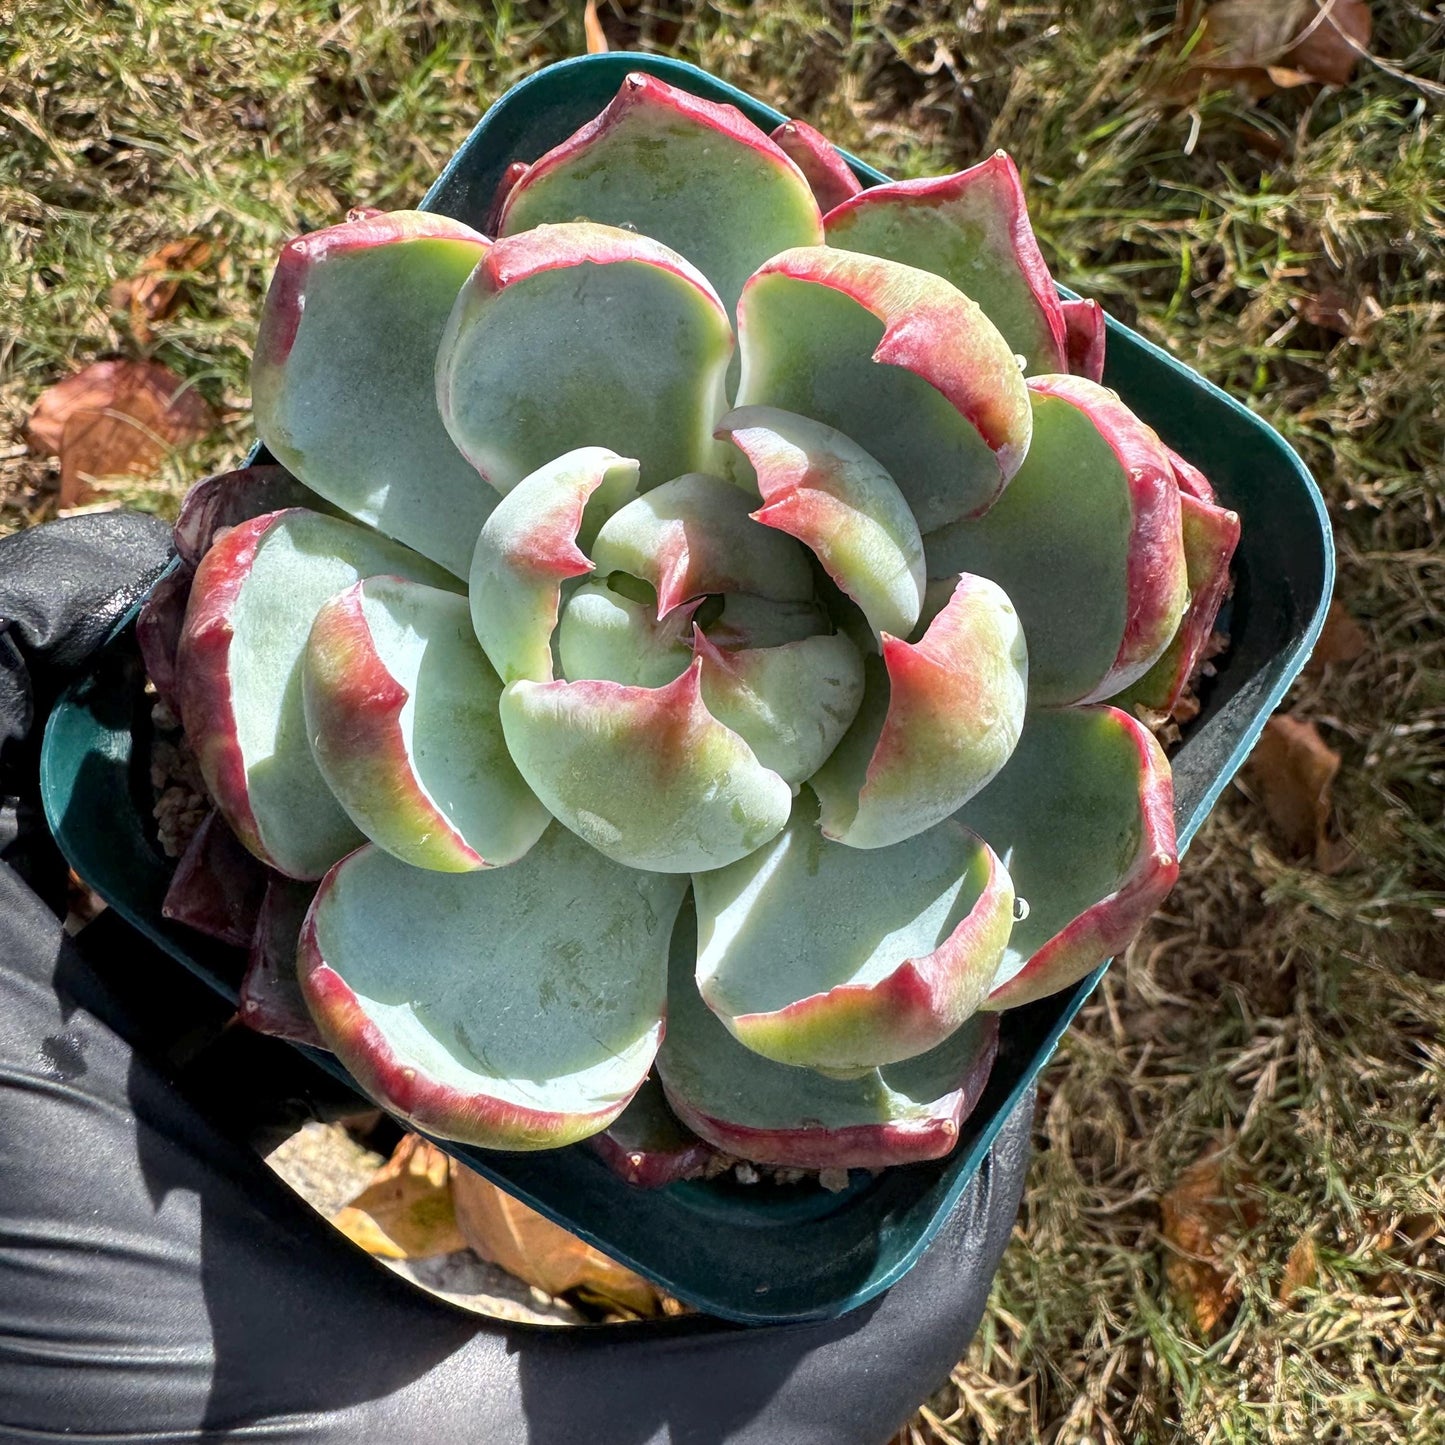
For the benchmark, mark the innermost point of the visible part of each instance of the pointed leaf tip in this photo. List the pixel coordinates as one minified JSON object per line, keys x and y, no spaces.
{"x":858,"y":342}
{"x":939,"y":720}
{"x":972,"y":228}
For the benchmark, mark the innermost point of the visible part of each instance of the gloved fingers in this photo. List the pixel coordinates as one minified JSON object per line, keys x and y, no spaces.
{"x":63,"y":587}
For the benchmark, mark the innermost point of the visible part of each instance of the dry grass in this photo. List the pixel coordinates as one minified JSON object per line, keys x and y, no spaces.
{"x":1291,"y":1017}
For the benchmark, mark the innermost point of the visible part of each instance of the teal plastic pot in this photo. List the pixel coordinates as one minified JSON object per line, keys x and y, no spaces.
{"x":763,"y":1253}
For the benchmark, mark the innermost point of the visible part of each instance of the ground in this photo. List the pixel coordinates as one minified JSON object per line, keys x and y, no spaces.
{"x":1282,"y":1016}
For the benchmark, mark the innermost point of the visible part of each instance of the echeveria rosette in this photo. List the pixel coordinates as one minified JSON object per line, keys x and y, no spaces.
{"x":797,"y":566}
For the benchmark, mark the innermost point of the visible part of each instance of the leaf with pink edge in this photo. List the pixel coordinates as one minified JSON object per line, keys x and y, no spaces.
{"x":1086,"y":541}
{"x":506,"y":183}
{"x":938,"y":720}
{"x":401,"y":709}
{"x":821,"y":956}
{"x":252,"y":603}
{"x":1083,"y":817}
{"x":791,"y":704}
{"x":343,"y":377}
{"x":646,"y":775}
{"x":477,"y":1006}
{"x":695,"y":535}
{"x":1084,"y":337}
{"x":693,"y":174}
{"x":895,"y":358}
{"x":773,"y":1113}
{"x":649,"y":1146}
{"x":1211,"y":534}
{"x":529,"y":548}
{"x":830,"y":176}
{"x":973,"y":229}
{"x":580,"y":335}
{"x":824,"y":489}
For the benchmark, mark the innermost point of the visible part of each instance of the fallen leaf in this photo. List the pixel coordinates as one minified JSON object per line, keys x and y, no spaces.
{"x":1301,"y":1269}
{"x":114,"y":418}
{"x":592,"y":26}
{"x":524,"y":1243}
{"x":406,"y":1211}
{"x":1294,"y":770}
{"x":1267,"y":45}
{"x":1342,"y":639}
{"x":1330,"y":46}
{"x":1202,"y":1217}
{"x":154,"y":292}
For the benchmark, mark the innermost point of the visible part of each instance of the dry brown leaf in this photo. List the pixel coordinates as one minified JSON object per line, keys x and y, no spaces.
{"x":406,"y":1211}
{"x":154,"y":292}
{"x":1294,"y":769}
{"x":596,"y":36}
{"x":1301,"y":1269}
{"x":114,"y":418}
{"x":1329,"y":47}
{"x":521,"y":1241}
{"x":1202,"y":1217}
{"x":1342,"y":639}
{"x":1267,"y":45}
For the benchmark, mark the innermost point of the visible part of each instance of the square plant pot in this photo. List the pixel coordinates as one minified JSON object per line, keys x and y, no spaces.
{"x":762,"y":1253}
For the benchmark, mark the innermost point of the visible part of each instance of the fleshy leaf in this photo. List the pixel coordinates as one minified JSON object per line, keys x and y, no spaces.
{"x":756,"y":622}
{"x":934,"y":727}
{"x":895,"y":358}
{"x":822,"y":488}
{"x":1084,"y":337}
{"x":217,"y":887}
{"x":696,"y":175}
{"x":529,"y":548}
{"x":343,"y":377}
{"x":1210,"y":536}
{"x":1192,"y":482}
{"x":158,"y":627}
{"x":252,"y":604}
{"x":401,"y":709}
{"x":609,"y":637}
{"x":791,"y":704}
{"x":775,"y":1114}
{"x":830,"y":176}
{"x":822,"y":956}
{"x":227,"y":498}
{"x":514,"y":1008}
{"x":973,"y":229}
{"x":506,"y":183}
{"x":1086,"y":542}
{"x":695,"y":535}
{"x":581,"y":335}
{"x":649,"y":1146}
{"x":1083,"y":817}
{"x":270,"y":999}
{"x":646,"y":775}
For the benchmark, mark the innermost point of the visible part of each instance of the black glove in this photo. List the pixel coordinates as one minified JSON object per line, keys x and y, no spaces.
{"x":158,"y":1281}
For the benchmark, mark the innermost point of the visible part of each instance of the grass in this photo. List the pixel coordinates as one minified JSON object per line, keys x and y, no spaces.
{"x":1291,"y":1018}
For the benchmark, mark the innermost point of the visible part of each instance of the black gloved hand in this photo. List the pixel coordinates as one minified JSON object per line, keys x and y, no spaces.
{"x":158,"y":1281}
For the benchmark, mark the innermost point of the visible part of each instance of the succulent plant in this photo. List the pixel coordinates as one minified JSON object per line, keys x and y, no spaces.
{"x":693,"y":635}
